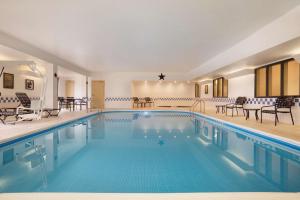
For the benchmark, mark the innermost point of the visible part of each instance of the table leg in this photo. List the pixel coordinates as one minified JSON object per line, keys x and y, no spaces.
{"x":256,"y":114}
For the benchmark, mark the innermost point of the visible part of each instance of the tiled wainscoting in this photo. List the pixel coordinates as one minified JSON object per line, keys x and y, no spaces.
{"x":12,"y":101}
{"x":210,"y":104}
{"x":107,"y":99}
{"x":258,"y":102}
{"x":253,"y":101}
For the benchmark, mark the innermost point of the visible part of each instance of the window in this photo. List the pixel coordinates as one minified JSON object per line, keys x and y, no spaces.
{"x":220,"y":87}
{"x":261,"y":82}
{"x":278,"y":79}
{"x":291,"y":77}
{"x":274,"y":80}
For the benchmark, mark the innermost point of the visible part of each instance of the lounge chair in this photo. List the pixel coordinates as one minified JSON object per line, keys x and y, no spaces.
{"x":137,"y":102}
{"x":33,"y":109}
{"x":7,"y":112}
{"x":239,"y":104}
{"x":281,"y":105}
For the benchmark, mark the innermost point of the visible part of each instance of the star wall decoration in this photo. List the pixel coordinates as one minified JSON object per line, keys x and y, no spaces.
{"x":161,"y":76}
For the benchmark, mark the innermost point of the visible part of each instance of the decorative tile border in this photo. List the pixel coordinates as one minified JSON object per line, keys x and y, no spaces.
{"x":155,"y":99}
{"x":14,"y":99}
{"x":255,"y":101}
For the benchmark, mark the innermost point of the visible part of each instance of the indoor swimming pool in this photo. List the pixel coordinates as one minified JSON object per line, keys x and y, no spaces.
{"x":148,"y":152}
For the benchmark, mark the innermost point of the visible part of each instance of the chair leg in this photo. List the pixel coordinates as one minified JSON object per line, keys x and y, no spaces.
{"x":260,"y":116}
{"x":292,"y":117}
{"x":237,"y":112}
{"x":226,"y":111}
{"x":276,"y":119}
{"x":232,"y":112}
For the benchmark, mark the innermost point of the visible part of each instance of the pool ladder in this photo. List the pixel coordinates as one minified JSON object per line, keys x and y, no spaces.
{"x":200,"y":103}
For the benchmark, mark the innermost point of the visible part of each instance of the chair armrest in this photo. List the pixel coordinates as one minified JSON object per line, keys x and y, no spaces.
{"x":24,"y":108}
{"x":266,"y":107}
{"x":229,"y":104}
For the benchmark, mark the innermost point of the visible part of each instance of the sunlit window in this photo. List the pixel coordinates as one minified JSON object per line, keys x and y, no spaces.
{"x":279,"y":79}
{"x":220,"y":87}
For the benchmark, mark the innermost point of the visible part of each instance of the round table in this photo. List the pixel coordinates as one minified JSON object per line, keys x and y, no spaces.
{"x":252,"y":109}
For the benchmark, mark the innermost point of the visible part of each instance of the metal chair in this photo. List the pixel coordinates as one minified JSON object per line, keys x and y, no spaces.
{"x":239,"y":104}
{"x":281,"y":105}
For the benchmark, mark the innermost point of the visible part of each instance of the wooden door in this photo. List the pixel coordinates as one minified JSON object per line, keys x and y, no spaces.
{"x":97,"y":100}
{"x":69,"y":88}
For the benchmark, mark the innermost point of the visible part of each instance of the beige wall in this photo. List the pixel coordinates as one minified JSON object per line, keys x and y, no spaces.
{"x":165,"y":89}
{"x":119,"y":84}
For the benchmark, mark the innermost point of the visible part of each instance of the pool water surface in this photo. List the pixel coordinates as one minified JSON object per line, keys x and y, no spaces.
{"x":148,"y":152}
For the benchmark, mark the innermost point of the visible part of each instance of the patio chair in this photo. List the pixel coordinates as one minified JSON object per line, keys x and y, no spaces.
{"x":239,"y":104}
{"x":62,"y":102}
{"x":149,"y":101}
{"x":137,"y":102}
{"x":281,"y":105}
{"x":81,"y":102}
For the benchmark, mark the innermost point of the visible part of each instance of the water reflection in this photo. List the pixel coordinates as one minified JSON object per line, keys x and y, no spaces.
{"x":192,"y":150}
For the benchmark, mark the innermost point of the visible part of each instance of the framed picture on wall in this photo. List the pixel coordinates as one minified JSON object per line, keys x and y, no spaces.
{"x":206,"y":89}
{"x":29,"y":84}
{"x":8,"y":81}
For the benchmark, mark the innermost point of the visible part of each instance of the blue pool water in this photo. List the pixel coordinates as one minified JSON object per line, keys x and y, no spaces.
{"x":148,"y":152}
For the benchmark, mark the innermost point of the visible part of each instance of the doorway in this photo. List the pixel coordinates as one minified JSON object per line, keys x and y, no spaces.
{"x":69,"y":88}
{"x":97,"y":100}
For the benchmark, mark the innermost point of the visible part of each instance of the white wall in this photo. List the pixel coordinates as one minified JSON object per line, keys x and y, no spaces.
{"x":79,"y":86}
{"x":20,"y":74}
{"x":118,"y":84}
{"x":210,"y":90}
{"x":241,"y":86}
{"x":165,"y":89}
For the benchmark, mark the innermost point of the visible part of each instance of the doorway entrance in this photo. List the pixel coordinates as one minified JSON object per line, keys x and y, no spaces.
{"x":69,"y":88}
{"x":98,"y":88}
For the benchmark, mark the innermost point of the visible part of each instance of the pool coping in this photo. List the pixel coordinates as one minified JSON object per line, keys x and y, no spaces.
{"x":158,"y":196}
{"x":293,"y":144}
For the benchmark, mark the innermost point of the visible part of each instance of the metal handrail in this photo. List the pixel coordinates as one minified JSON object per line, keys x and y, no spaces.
{"x":196,"y":103}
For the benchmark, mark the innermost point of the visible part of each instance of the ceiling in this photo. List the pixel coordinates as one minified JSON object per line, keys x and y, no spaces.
{"x":283,"y":51}
{"x":137,"y":35}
